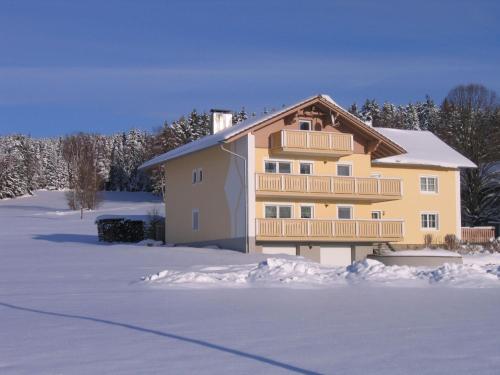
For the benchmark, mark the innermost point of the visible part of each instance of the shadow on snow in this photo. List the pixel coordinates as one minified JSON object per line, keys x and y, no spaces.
{"x":172,"y":336}
{"x":65,"y":238}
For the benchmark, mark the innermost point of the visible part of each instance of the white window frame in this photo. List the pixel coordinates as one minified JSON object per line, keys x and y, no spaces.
{"x":436,"y":220}
{"x":278,"y":205}
{"x":306,"y":205}
{"x":376,"y":212}
{"x":349,"y":164}
{"x":277,"y":161}
{"x":350,"y":206}
{"x":426,"y":191}
{"x":308,"y":121}
{"x":310,"y":162}
{"x":197,"y":176}
{"x":197,"y":212}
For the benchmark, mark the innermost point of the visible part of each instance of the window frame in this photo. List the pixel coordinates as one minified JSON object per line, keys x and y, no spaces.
{"x":306,"y":162}
{"x":311,"y":206}
{"x":301,"y":121}
{"x":351,"y":169}
{"x":278,"y":205}
{"x":376,"y":212}
{"x":194,"y":177}
{"x":428,"y":214}
{"x":349,"y":206}
{"x":426,"y":185}
{"x":276,"y":163}
{"x":197,"y":212}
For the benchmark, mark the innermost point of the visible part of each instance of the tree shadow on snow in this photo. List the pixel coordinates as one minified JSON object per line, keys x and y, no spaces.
{"x":68,"y":237}
{"x":172,"y":336}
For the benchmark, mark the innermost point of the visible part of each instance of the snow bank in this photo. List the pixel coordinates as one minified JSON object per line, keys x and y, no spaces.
{"x":299,"y":272}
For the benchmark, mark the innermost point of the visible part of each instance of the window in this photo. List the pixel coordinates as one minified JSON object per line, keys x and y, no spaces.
{"x":285,"y":212}
{"x":273,"y":211}
{"x":344,"y":170}
{"x":197,"y":175}
{"x":306,"y":168}
{"x":429,"y":221}
{"x":429,"y":184}
{"x":195,"y":220}
{"x":344,"y":212}
{"x":376,"y":215}
{"x":304,"y":125}
{"x":306,"y":212}
{"x":270,"y":167}
{"x":278,"y":166}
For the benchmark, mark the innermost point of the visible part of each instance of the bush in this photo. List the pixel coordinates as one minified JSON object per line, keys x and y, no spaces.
{"x":451,"y":242}
{"x":428,"y":240}
{"x":120,"y":230}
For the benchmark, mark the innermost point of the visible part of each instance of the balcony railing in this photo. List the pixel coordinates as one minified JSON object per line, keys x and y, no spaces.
{"x":328,"y":186}
{"x":312,"y":142}
{"x":329,"y":230}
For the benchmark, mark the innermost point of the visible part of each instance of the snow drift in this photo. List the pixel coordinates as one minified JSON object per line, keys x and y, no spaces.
{"x":299,"y":272}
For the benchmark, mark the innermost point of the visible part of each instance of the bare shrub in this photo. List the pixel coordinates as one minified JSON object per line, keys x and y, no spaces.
{"x":154,"y":219}
{"x":451,"y":242}
{"x":428,"y":240}
{"x":80,"y":153}
{"x":494,"y":245}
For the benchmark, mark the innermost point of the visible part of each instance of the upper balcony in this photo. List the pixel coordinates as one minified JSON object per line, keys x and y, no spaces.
{"x":369,"y":189}
{"x":312,"y":143}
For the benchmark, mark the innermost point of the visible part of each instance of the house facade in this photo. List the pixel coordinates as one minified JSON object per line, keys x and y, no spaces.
{"x":312,"y":180}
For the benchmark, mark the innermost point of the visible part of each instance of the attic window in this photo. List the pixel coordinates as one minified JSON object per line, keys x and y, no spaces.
{"x":304,"y":125}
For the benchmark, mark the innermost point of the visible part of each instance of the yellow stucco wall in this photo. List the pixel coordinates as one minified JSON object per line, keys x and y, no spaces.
{"x":414,"y":202}
{"x":409,"y":208}
{"x":182,"y":196}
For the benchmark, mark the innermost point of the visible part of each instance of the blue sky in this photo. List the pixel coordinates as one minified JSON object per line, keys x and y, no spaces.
{"x":110,"y":65}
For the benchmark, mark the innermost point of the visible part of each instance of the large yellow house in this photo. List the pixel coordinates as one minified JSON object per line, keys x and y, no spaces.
{"x":313,"y":180}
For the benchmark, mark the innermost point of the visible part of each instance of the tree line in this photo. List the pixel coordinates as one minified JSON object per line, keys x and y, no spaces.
{"x":468,"y":119}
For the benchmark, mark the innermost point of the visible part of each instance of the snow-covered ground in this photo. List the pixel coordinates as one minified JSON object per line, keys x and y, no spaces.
{"x":71,"y":305}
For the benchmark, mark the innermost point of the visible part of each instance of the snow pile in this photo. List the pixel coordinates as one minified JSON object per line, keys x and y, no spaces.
{"x":299,"y":272}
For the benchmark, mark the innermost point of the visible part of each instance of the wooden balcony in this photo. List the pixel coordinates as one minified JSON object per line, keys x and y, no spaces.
{"x":317,"y":143}
{"x":328,"y":230}
{"x":327,"y":187}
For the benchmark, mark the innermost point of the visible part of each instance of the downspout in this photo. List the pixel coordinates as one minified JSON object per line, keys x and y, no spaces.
{"x":221,"y":143}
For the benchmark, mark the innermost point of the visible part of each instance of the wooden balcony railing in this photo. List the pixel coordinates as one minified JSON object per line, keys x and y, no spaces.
{"x":312,"y":142}
{"x":325,"y":229}
{"x":328,"y":186}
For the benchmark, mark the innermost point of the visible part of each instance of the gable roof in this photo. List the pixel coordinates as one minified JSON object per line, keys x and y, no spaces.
{"x":423,"y":148}
{"x":244,"y":126}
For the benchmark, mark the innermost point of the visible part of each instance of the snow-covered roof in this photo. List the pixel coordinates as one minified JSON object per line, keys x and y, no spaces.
{"x":423,"y":148}
{"x":213,"y":139}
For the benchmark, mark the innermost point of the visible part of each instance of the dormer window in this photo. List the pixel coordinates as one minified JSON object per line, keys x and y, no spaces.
{"x":304,"y":125}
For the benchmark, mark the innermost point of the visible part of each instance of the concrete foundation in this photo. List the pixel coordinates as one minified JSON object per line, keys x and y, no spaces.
{"x":415,"y":261}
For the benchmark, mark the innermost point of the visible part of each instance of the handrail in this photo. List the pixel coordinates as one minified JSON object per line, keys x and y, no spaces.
{"x":308,"y":133}
{"x":330,"y":175}
{"x":332,"y":228}
{"x":361,"y":185}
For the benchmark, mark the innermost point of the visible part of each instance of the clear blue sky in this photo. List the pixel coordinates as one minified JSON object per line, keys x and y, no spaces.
{"x":110,"y":65}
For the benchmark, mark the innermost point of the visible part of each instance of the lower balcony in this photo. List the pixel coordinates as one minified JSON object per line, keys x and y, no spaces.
{"x":371,"y":189}
{"x":328,"y":230}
